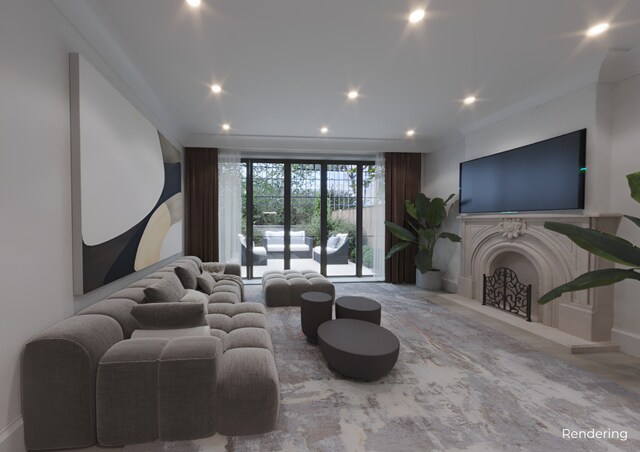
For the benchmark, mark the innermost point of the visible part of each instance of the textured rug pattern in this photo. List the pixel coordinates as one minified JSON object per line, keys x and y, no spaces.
{"x":457,"y":386}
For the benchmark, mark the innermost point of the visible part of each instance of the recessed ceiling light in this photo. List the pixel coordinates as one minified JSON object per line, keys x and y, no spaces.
{"x":215,"y":88}
{"x":597,"y":29}
{"x":324,"y":130}
{"x":469,"y":100}
{"x":411,"y":132}
{"x":416,"y":16}
{"x":352,"y":95}
{"x":226,"y":127}
{"x":194,"y":3}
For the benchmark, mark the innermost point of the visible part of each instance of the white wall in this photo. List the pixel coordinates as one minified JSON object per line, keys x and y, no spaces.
{"x":440,"y":176}
{"x":35,"y":187}
{"x":611,"y":113}
{"x":574,"y":111}
{"x":625,"y":160}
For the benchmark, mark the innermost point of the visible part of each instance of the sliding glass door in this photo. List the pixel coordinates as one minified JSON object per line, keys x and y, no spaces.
{"x":267,"y":217}
{"x":311,"y":215}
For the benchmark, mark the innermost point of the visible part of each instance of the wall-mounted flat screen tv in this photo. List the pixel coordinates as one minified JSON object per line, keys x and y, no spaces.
{"x":548,"y":175}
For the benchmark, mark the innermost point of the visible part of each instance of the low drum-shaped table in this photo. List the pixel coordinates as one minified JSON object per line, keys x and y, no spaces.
{"x":315,"y":309}
{"x":358,"y":349}
{"x":359,"y":308}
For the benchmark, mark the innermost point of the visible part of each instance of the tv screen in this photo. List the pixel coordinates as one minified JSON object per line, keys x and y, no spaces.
{"x":548,"y":175}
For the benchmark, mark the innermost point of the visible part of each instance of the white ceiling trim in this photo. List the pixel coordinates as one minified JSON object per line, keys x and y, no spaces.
{"x":321,"y":144}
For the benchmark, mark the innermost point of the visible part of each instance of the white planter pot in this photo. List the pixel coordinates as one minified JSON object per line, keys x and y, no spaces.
{"x":430,"y":280}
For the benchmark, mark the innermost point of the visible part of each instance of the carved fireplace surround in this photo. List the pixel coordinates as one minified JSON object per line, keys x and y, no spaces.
{"x":544,"y":259}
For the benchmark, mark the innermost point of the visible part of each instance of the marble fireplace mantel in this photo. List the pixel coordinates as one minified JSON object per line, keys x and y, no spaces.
{"x":544,"y":259}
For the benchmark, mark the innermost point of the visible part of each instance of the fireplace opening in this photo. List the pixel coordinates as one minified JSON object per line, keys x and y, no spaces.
{"x":526,"y":275}
{"x":504,"y":291}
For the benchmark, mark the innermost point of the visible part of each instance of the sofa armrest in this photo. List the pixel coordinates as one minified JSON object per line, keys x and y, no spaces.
{"x":232,"y":269}
{"x":309,"y":242}
{"x":59,"y":369}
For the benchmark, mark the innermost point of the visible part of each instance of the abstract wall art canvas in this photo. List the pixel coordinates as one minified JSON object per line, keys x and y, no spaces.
{"x":126,"y":184}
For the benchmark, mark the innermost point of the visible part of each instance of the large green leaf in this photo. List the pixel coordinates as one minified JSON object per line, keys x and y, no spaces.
{"x":599,"y":243}
{"x":422,"y":204}
{"x":636,"y":220}
{"x":435,"y":213}
{"x":634,"y":185}
{"x":449,"y":198}
{"x":397,"y":247}
{"x":589,"y":280}
{"x":427,"y":234}
{"x":450,"y":236}
{"x":400,"y":232}
{"x":423,"y":261}
{"x":410,"y":208}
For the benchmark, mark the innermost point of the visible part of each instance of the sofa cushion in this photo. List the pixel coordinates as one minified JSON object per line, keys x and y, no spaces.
{"x":131,"y":293}
{"x":248,"y":392}
{"x":224,"y":297}
{"x":206,"y":283}
{"x":117,"y":309}
{"x":166,"y":290}
{"x":194,"y":259}
{"x":296,"y":237}
{"x":144,"y":282}
{"x":332,"y":241}
{"x":169,"y":315}
{"x":127,"y":392}
{"x":194,"y":331}
{"x":187,"y":276}
{"x":187,"y":380}
{"x":249,"y":337}
{"x":189,"y":263}
{"x":193,"y":296}
{"x":234,"y":309}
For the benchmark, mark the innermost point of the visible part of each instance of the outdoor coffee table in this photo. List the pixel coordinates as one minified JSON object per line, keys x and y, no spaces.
{"x":315,"y":309}
{"x":358,"y":349}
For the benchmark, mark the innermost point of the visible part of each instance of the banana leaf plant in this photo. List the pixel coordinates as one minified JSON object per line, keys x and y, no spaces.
{"x":607,"y":246}
{"x":424,"y":217}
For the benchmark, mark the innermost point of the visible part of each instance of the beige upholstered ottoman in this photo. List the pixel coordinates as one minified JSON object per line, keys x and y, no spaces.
{"x":284,"y":288}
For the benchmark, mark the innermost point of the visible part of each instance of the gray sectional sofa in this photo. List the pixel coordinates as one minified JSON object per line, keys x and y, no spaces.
{"x":85,"y":381}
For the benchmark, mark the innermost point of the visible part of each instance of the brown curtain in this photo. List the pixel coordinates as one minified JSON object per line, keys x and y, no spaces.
{"x":201,"y":203}
{"x":402,"y":181}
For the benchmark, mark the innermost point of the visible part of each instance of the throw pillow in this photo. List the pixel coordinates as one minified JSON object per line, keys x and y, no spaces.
{"x":206,"y":283}
{"x":167,"y":290}
{"x":193,"y":296}
{"x":169,"y":315}
{"x":332,"y":242}
{"x":187,"y":276}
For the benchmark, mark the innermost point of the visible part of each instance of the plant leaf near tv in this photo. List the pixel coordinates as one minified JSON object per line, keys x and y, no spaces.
{"x":607,"y":246}
{"x":424,"y":217}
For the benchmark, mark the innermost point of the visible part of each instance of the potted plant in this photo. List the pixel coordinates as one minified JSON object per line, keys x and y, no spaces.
{"x":607,"y":246}
{"x":425,"y":216}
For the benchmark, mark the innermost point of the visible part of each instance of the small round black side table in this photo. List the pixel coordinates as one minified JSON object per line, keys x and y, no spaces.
{"x":315,"y":309}
{"x":359,"y":308}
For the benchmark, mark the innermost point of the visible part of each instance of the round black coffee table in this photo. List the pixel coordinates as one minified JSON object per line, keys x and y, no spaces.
{"x":358,"y":349}
{"x":315,"y":309}
{"x":360,"y":308}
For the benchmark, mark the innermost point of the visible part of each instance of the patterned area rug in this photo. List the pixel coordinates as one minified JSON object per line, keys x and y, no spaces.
{"x":457,"y":386}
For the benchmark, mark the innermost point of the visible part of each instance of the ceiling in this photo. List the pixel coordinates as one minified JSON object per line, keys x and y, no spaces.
{"x":285,"y":66}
